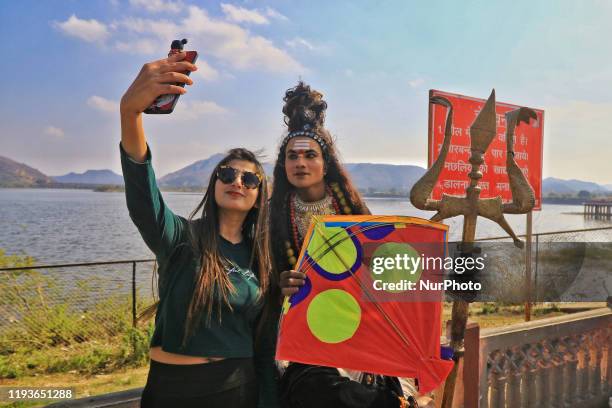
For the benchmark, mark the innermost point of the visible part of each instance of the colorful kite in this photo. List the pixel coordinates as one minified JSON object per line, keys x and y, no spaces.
{"x":363,"y":306}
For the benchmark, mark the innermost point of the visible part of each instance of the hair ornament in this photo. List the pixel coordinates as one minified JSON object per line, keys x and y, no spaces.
{"x":306,"y":132}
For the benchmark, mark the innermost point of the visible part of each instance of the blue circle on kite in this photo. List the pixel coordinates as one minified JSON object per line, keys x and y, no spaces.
{"x":378,"y":232}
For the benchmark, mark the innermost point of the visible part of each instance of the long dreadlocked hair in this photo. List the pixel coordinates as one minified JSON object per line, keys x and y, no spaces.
{"x":304,"y":106}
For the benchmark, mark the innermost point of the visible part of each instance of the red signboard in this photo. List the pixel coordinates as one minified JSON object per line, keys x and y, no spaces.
{"x":454,"y":176}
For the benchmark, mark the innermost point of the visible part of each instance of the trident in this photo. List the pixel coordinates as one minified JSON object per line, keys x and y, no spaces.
{"x":482,"y":132}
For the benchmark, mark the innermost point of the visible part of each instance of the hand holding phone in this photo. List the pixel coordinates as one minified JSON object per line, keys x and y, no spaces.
{"x":154,"y":79}
{"x":165,"y":104}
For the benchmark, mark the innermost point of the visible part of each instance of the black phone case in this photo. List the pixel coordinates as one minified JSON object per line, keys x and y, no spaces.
{"x":165,"y":104}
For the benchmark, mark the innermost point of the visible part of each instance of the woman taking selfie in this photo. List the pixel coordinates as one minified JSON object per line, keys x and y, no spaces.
{"x":208,"y":348}
{"x":309,"y":180}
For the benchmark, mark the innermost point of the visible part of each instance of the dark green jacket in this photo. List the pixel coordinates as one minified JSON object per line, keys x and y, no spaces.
{"x":167,"y":235}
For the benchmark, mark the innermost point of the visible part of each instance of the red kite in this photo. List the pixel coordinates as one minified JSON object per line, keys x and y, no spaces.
{"x":362,"y":306}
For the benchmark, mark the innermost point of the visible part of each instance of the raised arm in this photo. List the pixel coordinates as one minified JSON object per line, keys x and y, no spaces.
{"x":155,"y":78}
{"x":160,"y":228}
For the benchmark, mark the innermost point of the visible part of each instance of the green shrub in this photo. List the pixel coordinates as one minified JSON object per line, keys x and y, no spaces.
{"x":489,"y":308}
{"x":47,"y":329}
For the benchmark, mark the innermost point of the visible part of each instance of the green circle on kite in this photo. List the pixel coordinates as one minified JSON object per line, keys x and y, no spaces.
{"x":333,"y":316}
{"x":403,"y":256}
{"x":333,"y":249}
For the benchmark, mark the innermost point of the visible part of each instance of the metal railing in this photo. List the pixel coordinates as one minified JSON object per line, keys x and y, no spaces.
{"x":89,"y":286}
{"x":132,"y":262}
{"x":73,"y":311}
{"x":580,"y":250}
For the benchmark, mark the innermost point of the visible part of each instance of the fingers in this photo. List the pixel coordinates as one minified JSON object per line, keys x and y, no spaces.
{"x":292,"y":274}
{"x":290,"y":281}
{"x":177,"y":57}
{"x":180,"y":66}
{"x":289,"y":291}
{"x":163,"y":89}
{"x":174,"y":77}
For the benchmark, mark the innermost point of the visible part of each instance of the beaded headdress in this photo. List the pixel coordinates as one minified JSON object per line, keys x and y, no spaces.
{"x":306,"y":132}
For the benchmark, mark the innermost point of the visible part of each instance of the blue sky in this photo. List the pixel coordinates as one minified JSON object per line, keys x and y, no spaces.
{"x":67,"y":63}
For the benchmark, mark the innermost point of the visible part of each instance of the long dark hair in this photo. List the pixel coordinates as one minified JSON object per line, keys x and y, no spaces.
{"x":212,"y":285}
{"x":305,"y":106}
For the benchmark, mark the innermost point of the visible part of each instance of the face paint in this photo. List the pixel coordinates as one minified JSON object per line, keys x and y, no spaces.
{"x":302,"y":144}
{"x":304,"y":163}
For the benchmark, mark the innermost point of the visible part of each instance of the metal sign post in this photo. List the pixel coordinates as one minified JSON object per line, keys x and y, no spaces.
{"x":528,"y":266}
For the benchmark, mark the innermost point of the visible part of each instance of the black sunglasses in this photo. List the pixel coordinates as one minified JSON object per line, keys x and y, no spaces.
{"x":228,"y":175}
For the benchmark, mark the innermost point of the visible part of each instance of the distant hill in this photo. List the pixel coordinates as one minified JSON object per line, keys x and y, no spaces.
{"x":91,"y":177}
{"x":194,"y":175}
{"x":559,"y":186}
{"x":380,"y":177}
{"x":14,"y":174}
{"x":368,"y":177}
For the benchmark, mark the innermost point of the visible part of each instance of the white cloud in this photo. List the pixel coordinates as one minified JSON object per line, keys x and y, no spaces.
{"x":185,"y":109}
{"x":415,"y":83}
{"x":103,"y":104}
{"x":160,"y":28}
{"x":143,"y":46}
{"x":270,"y":12}
{"x":349,"y":73}
{"x":189,"y":110}
{"x":298,"y":41}
{"x":86,"y":30}
{"x":205,"y":71}
{"x":226,"y":42}
{"x":235,"y":46}
{"x":158,"y":6}
{"x":55,"y":132}
{"x":242,"y":15}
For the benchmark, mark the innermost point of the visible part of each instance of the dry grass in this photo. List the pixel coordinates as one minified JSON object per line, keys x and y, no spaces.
{"x":489,"y":315}
{"x":84,"y":385}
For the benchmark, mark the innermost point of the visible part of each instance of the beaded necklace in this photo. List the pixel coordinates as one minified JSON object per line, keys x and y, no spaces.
{"x":301,"y":212}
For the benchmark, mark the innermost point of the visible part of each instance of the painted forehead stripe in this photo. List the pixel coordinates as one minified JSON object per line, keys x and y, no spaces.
{"x":308,"y":133}
{"x":301,"y":145}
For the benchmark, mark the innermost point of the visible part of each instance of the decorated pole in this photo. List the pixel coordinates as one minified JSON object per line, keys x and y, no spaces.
{"x":482,"y":132}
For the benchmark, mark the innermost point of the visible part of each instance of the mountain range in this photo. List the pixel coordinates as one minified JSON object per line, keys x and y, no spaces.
{"x":381,"y":177}
{"x":91,"y":177}
{"x":369,"y":177}
{"x":14,"y":174}
{"x":559,"y":186}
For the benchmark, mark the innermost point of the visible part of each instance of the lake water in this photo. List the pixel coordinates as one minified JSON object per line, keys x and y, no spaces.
{"x":63,"y":226}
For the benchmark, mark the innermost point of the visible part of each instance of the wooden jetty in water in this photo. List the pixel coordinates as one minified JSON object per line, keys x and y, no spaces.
{"x":598,"y":209}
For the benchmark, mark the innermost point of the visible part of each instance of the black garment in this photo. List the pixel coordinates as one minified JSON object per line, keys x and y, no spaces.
{"x":308,"y":386}
{"x":220,"y":384}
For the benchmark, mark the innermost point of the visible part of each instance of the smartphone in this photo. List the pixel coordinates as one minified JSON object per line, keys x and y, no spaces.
{"x":166,"y":103}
